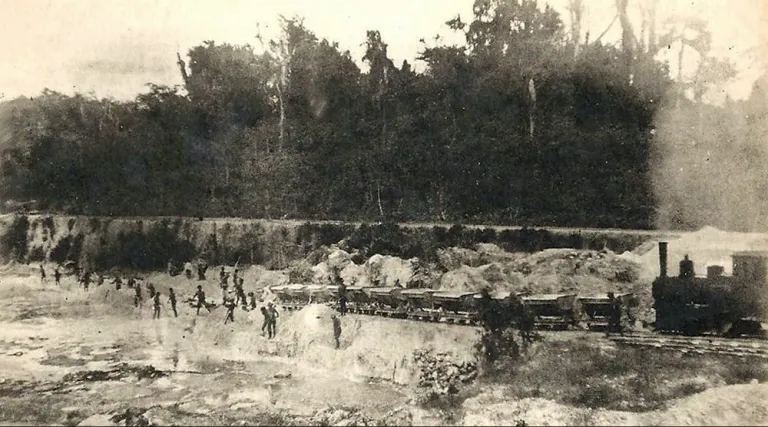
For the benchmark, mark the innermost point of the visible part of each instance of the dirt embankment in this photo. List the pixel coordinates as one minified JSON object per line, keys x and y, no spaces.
{"x":148,"y":243}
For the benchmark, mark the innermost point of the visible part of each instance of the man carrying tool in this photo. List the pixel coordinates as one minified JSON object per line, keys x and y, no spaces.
{"x":240,"y":293}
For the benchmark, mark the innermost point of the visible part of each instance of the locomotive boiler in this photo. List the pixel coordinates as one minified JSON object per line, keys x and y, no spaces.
{"x":714,"y":304}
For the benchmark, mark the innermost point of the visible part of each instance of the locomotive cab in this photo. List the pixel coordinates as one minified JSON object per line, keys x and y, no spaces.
{"x":719,"y":304}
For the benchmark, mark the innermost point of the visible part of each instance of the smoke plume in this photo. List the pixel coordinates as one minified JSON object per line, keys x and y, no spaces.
{"x":710,"y":164}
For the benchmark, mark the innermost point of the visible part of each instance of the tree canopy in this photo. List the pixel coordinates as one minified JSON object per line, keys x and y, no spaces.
{"x":526,"y":124}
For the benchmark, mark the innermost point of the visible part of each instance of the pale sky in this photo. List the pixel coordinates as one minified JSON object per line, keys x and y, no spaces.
{"x":112,"y":48}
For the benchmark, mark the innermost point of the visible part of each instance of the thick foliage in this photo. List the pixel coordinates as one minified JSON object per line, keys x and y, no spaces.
{"x":300,"y":131}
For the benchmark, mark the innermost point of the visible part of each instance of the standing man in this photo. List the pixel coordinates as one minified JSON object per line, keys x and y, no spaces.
{"x":86,"y":280}
{"x":151,"y":289}
{"x":342,"y":296}
{"x":615,"y":319}
{"x":240,"y":294}
{"x":200,"y":296}
{"x":252,"y":297}
{"x":273,"y":315}
{"x":267,"y":321}
{"x":172,"y":301}
{"x":137,"y":300}
{"x":57,"y":276}
{"x":229,"y":303}
{"x":156,"y":301}
{"x":201,"y":268}
{"x":42,"y":274}
{"x":336,"y":329}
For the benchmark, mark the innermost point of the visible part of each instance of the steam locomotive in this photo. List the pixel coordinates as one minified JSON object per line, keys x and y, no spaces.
{"x":716,"y":304}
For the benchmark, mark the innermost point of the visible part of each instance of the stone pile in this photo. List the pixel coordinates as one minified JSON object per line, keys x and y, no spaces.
{"x":331,"y":416}
{"x":440,"y":374}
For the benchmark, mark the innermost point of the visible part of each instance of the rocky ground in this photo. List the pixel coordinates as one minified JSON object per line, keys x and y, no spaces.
{"x":68,"y":357}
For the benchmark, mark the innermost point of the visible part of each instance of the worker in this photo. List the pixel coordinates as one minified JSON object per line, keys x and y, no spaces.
{"x":527,"y":323}
{"x":336,"y":329}
{"x":615,"y":316}
{"x":57,"y":276}
{"x":252,"y":297}
{"x":229,"y":303}
{"x":222,"y":277}
{"x":86,"y":280}
{"x":137,"y":300}
{"x":202,"y":267}
{"x":156,"y":305}
{"x":172,"y":301}
{"x":686,"y":268}
{"x":151,"y":289}
{"x":200,"y":297}
{"x":188,"y":270}
{"x":239,"y":293}
{"x":265,"y":325}
{"x":42,"y":274}
{"x":273,"y":315}
{"x":342,"y":295}
{"x":118,"y":282}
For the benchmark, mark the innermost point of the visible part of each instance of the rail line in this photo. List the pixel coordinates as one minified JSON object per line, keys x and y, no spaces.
{"x":693,"y":345}
{"x":737,"y":347}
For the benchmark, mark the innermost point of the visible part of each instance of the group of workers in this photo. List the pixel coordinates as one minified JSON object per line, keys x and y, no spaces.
{"x":269,"y":312}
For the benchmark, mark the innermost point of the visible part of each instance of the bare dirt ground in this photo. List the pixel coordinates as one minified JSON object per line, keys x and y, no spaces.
{"x":68,"y":357}
{"x":47,"y":333}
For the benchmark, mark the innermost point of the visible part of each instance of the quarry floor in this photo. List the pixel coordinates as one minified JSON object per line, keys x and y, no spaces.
{"x":233,"y":376}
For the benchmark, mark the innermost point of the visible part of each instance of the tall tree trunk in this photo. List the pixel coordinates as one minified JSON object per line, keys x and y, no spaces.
{"x":532,"y":107}
{"x":627,"y":37}
{"x":576,"y":8}
{"x":282,"y":117}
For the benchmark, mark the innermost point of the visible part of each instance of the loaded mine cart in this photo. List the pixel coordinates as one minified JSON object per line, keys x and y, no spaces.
{"x":553,"y":311}
{"x":386,"y":301}
{"x":281,"y":295}
{"x":357,"y":300}
{"x":318,"y":294}
{"x":455,"y":307}
{"x":295,"y":296}
{"x":419,"y":304}
{"x":598,"y":308}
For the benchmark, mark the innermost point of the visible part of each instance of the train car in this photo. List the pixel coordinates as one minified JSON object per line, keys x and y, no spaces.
{"x":357,"y":300}
{"x":294,"y":296}
{"x":597,"y":309}
{"x":552,"y":311}
{"x":716,"y":304}
{"x":419,"y":304}
{"x":386,"y":301}
{"x":318,"y":294}
{"x":456,"y":307}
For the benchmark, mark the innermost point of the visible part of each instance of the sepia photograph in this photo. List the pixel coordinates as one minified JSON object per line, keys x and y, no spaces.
{"x":384,"y":213}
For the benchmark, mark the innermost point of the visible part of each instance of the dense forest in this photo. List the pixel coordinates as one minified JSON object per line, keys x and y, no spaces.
{"x":529,"y":123}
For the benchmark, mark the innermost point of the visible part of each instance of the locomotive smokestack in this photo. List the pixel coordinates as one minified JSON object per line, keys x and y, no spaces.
{"x":663,"y":259}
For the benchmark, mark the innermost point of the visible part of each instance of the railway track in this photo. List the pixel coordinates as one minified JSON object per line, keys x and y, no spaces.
{"x":699,"y":345}
{"x":756,"y":348}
